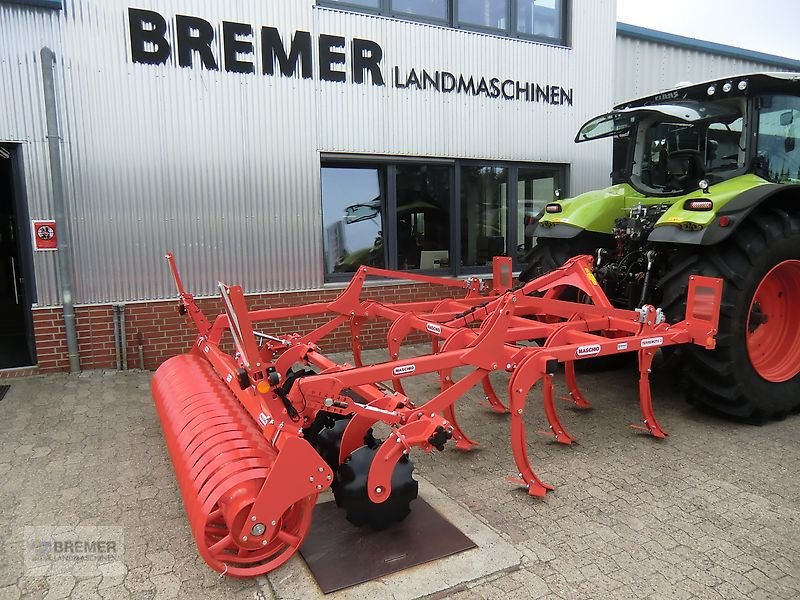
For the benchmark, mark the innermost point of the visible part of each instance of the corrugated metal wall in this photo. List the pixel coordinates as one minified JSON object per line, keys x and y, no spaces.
{"x":223,"y":168}
{"x":644,"y":67}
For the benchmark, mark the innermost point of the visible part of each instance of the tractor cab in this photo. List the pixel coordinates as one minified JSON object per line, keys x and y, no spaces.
{"x":675,"y":142}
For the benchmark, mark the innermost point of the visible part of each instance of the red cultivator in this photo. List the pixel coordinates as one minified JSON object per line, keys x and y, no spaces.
{"x":256,"y":436}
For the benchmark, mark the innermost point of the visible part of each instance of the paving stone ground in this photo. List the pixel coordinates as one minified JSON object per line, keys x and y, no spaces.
{"x":711,"y":512}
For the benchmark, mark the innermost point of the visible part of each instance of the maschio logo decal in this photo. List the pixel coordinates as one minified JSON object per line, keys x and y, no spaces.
{"x":650,"y":342}
{"x":404,"y":370}
{"x":588,"y":350}
{"x":433,"y":328}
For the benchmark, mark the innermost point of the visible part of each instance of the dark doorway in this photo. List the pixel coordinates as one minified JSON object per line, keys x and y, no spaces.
{"x":16,"y":329}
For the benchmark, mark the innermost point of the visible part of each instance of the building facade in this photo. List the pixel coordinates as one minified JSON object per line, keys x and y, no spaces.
{"x":648,"y":61}
{"x":278,"y":145}
{"x":239,"y":135}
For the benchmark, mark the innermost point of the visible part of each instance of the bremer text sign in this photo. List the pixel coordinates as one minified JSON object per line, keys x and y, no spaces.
{"x":193,"y":42}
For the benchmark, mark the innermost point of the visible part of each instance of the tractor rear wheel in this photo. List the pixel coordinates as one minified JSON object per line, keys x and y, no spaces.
{"x":550,"y":253}
{"x":754,"y":372}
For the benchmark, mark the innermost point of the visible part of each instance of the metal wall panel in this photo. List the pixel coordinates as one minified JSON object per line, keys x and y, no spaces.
{"x":223,"y":168}
{"x":644,"y":67}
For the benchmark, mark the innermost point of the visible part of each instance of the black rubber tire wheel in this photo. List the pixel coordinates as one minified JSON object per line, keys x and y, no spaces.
{"x":550,"y":253}
{"x":724,"y":380}
{"x":350,"y":490}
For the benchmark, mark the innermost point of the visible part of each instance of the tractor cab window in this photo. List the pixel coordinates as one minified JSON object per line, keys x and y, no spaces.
{"x":673,"y":154}
{"x":778,"y":147}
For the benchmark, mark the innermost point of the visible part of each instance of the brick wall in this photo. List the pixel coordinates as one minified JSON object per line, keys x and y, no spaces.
{"x":163,"y":333}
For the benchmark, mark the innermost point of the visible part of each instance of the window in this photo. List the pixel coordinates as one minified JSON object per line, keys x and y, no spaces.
{"x":423,"y":216}
{"x":540,"y":18}
{"x":778,"y":151}
{"x":492,"y":14}
{"x":352,"y":205}
{"x":57,"y":4}
{"x":365,"y":3}
{"x":535,"y":189}
{"x":447,"y":215}
{"x":432,"y":9}
{"x":484,"y":214}
{"x":543,"y":20}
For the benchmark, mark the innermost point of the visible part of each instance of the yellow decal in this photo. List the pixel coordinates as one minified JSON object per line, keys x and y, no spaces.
{"x":590,"y":275}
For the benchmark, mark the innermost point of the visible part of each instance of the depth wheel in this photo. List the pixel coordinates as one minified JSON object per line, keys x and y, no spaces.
{"x":754,"y":372}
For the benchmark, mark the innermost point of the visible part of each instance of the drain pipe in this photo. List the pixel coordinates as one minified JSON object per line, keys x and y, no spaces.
{"x":115,"y":311}
{"x":122,"y":338}
{"x":140,"y":337}
{"x":60,"y":208}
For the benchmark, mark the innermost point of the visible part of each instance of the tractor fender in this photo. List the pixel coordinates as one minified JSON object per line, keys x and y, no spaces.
{"x":560,"y":231}
{"x":737,"y":210}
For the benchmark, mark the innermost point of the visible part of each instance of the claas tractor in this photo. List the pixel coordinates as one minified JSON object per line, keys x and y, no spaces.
{"x":706,"y":181}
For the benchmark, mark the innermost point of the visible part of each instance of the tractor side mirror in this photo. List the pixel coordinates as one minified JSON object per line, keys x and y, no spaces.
{"x":787,"y":118}
{"x":360,"y":212}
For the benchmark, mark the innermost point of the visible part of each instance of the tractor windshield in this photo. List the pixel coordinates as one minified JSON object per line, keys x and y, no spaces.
{"x":671,"y":147}
{"x":778,"y":145}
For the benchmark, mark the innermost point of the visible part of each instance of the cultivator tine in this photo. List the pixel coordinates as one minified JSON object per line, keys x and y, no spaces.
{"x":556,"y":428}
{"x":575,"y":397}
{"x":256,"y":435}
{"x":463,"y":441}
{"x":525,"y":377}
{"x":491,"y":397}
{"x":645,"y":397}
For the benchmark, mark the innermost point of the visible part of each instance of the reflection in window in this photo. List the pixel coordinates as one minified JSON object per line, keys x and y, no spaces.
{"x":351,"y":213}
{"x":484,"y":214}
{"x":483,"y":13}
{"x":535,"y":189}
{"x":541,"y":18}
{"x":366,"y":3}
{"x":423,"y":216}
{"x":434,"y":9}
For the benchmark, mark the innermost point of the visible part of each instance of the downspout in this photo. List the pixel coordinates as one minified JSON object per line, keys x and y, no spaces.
{"x":117,"y":350}
{"x":123,"y":340}
{"x":60,"y":208}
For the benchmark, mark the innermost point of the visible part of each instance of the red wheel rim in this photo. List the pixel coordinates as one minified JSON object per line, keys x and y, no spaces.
{"x":773,"y":329}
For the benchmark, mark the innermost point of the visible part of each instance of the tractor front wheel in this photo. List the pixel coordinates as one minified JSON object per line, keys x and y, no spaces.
{"x":754,"y":372}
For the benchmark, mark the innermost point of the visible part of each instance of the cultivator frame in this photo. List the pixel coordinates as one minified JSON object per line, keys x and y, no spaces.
{"x":250,"y":479}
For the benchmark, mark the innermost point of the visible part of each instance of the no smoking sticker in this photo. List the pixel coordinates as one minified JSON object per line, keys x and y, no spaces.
{"x":44,"y":235}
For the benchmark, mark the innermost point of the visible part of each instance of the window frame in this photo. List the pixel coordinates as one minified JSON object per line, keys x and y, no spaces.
{"x":387,"y":166}
{"x":452,"y":22}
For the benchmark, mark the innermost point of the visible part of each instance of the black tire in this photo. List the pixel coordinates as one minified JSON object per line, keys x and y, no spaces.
{"x":550,"y":253}
{"x":350,"y":490}
{"x":724,"y":379}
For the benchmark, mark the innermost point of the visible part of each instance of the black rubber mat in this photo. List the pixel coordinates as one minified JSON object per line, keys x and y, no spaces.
{"x":4,"y":390}
{"x":341,"y":555}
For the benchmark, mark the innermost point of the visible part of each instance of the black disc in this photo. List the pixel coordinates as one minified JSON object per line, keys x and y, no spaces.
{"x":328,"y":439}
{"x":350,"y":490}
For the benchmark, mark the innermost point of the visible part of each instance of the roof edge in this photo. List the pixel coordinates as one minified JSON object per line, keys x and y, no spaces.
{"x":680,"y":41}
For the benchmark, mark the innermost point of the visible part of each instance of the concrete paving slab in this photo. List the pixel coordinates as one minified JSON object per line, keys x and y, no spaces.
{"x":493,"y":554}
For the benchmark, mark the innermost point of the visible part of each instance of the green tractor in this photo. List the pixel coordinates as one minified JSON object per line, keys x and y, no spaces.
{"x":706,"y":181}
